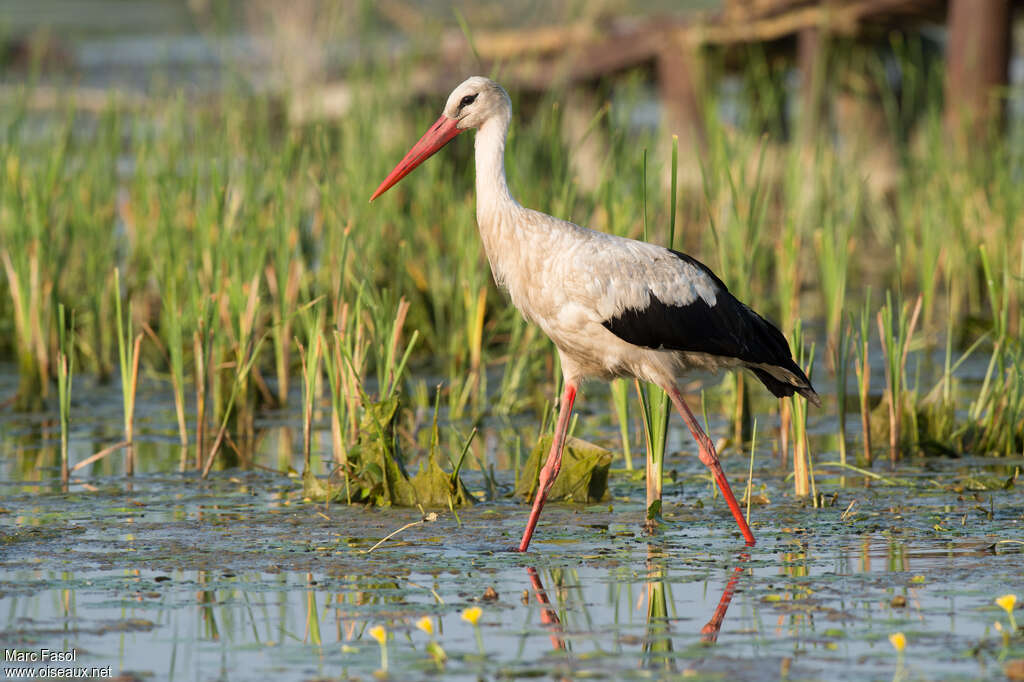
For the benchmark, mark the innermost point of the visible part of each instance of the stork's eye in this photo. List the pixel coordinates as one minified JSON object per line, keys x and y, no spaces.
{"x":467,"y":100}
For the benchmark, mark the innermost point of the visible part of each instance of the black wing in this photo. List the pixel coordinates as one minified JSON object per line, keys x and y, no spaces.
{"x":726,"y":329}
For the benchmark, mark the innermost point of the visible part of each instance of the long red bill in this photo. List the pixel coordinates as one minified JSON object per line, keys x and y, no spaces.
{"x":439,"y":134}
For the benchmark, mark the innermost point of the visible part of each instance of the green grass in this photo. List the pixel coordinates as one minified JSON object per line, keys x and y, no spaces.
{"x":65,"y":375}
{"x":230,"y":223}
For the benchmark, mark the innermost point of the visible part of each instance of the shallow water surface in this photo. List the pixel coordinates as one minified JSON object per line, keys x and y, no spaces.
{"x":169,"y":577}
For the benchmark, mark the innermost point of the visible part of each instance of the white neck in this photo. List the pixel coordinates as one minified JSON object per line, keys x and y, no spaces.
{"x":492,"y":195}
{"x":496,"y":211}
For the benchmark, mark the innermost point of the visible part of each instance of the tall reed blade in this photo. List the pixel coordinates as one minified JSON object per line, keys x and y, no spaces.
{"x":862,"y":366}
{"x":174,"y":323}
{"x":312,"y":353}
{"x":199,"y":367}
{"x":620,"y":403}
{"x":841,"y":350}
{"x":750,"y":471}
{"x":655,"y":415}
{"x":334,"y":367}
{"x":803,"y":465}
{"x":798,"y":409}
{"x":128,"y":353}
{"x":65,"y":372}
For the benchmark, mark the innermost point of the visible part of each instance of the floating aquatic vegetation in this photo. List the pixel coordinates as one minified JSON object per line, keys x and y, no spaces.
{"x":374,"y":472}
{"x":583,"y":477}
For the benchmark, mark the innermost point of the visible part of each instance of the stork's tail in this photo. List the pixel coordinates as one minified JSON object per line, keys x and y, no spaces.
{"x":784,"y":389}
{"x":777,"y":370}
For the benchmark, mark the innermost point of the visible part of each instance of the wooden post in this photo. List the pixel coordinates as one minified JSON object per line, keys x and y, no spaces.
{"x":588,"y":146}
{"x":977,"y":65}
{"x":860,"y":122}
{"x":810,"y":60}
{"x":677,"y":65}
{"x":680,"y":79}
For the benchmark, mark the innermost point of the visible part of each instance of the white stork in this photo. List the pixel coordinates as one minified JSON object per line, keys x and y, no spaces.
{"x":613,"y":307}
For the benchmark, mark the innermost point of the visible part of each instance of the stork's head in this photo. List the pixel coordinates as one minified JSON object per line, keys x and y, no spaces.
{"x":476,"y":101}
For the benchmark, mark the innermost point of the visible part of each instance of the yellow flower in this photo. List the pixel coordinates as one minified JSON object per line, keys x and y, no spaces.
{"x":472,"y":615}
{"x":1007,"y":601}
{"x":898,"y":641}
{"x":379,"y":634}
{"x":426,"y":624}
{"x":998,"y":626}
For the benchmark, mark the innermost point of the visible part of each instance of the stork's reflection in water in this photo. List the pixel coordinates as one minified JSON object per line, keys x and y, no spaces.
{"x":548,"y":616}
{"x":657,"y":643}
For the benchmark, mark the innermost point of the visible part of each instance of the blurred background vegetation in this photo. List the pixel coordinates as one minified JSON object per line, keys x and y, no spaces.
{"x":188,"y":181}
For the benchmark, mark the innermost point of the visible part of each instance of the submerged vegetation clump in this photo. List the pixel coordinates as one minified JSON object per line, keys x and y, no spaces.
{"x":373,"y":472}
{"x":583,"y":477}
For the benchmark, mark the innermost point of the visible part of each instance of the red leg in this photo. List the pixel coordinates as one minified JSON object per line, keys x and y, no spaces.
{"x":710,"y":459}
{"x":551,"y":467}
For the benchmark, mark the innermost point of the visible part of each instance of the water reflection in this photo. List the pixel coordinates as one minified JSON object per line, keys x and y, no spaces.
{"x":548,"y":616}
{"x":207,"y":600}
{"x":709,"y":633}
{"x":172,"y":625}
{"x":657,"y":645}
{"x":262,"y":576}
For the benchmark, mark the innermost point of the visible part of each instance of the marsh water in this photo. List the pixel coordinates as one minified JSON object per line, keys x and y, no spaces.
{"x":167,"y":576}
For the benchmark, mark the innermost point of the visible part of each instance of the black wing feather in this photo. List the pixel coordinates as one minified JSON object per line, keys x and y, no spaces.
{"x":726,"y":329}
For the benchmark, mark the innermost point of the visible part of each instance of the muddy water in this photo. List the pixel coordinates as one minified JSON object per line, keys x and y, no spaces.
{"x":168,"y":577}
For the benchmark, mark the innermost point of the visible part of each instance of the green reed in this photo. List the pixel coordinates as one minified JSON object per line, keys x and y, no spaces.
{"x":803,"y":467}
{"x":862,"y":367}
{"x":620,"y":403}
{"x":202,"y":349}
{"x":225,"y":202}
{"x":312,"y":353}
{"x":895,"y":331}
{"x":998,"y":409}
{"x":239,"y":379}
{"x":128,"y":356}
{"x":842,"y":349}
{"x":172,"y":316}
{"x":65,"y":373}
{"x":750,"y":472}
{"x":337,"y":378}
